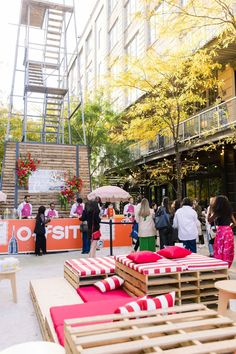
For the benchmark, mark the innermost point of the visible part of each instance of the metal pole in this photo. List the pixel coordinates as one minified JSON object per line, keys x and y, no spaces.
{"x":13,"y":83}
{"x":67,"y":82}
{"x":111,"y":238}
{"x":24,"y":138}
{"x":79,"y":81}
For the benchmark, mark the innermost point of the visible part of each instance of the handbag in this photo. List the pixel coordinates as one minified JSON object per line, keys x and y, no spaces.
{"x":134,"y":232}
{"x":162,"y":220}
{"x":212,"y":233}
{"x":96,"y":235}
{"x":84,"y":226}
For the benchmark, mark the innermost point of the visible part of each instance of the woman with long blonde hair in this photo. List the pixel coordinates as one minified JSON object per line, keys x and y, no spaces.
{"x":147,"y":232}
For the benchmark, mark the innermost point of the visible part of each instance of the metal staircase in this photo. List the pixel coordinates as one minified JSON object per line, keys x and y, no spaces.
{"x":46,"y":93}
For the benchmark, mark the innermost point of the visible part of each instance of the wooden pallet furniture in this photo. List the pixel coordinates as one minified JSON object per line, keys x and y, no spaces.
{"x":46,"y":293}
{"x":188,"y":329}
{"x":192,"y":279}
{"x":86,"y":271}
{"x":11,"y":275}
{"x":227,"y":291}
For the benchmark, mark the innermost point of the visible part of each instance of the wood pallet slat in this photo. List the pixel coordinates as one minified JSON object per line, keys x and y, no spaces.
{"x":193,"y":328}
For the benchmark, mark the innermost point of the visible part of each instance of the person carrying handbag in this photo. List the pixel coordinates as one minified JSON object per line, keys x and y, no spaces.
{"x":92,"y":217}
{"x":163,"y":224}
{"x":84,"y":230}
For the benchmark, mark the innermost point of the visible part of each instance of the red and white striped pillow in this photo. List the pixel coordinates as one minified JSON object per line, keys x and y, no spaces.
{"x":109,"y":283}
{"x":148,"y":304}
{"x":159,"y":302}
{"x":133,"y":306}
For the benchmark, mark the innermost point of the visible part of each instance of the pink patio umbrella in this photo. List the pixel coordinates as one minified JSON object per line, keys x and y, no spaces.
{"x":3,"y":197}
{"x":109,"y":194}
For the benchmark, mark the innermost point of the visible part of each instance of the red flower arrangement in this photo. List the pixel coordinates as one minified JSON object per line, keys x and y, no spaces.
{"x":24,"y":168}
{"x":68,"y":192}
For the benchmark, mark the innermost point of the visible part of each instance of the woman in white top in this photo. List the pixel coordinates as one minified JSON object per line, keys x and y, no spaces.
{"x":146,"y":227}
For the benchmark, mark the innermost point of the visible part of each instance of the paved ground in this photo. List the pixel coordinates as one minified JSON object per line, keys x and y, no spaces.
{"x":18,"y":322}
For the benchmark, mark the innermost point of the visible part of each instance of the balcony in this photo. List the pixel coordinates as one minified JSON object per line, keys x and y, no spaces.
{"x":213,"y":122}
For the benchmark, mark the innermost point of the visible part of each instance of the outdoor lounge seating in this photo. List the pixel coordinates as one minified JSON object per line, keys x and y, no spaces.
{"x":86,"y":271}
{"x":192,"y":277}
{"x":61,"y":313}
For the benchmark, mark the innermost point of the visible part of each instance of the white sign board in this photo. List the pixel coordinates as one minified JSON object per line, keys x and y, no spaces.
{"x":3,"y":233}
{"x":46,"y":181}
{"x":105,"y":231}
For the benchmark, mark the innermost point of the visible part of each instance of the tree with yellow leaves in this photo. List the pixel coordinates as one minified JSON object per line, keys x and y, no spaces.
{"x":195,"y":22}
{"x":172,"y":87}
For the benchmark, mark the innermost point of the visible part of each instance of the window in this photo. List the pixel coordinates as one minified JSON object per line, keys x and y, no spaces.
{"x":130,"y":10}
{"x":73,"y":78}
{"x":89,"y":43}
{"x":89,"y":74}
{"x":99,"y":38}
{"x":81,"y":60}
{"x":99,"y":72}
{"x":111,"y":5}
{"x":132,"y":49}
{"x":153,"y":27}
{"x":113,"y":35}
{"x":114,"y":69}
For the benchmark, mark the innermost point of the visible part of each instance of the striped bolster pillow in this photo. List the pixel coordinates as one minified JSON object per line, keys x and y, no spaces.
{"x":148,"y":304}
{"x":159,"y":302}
{"x":109,"y":284}
{"x":134,"y":306}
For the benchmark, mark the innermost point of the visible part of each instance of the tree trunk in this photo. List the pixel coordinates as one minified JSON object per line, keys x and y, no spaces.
{"x":178,"y":165}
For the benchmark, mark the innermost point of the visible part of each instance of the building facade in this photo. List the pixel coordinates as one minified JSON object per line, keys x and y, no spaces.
{"x":119,"y":28}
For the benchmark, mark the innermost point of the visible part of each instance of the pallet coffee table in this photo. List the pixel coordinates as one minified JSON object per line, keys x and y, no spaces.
{"x":192,"y":278}
{"x":192,"y":329}
{"x":86,"y":271}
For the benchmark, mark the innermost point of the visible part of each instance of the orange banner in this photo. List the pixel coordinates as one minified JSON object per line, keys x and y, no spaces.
{"x":62,"y":234}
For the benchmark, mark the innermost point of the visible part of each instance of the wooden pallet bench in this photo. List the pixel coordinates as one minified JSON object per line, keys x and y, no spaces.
{"x":86,"y":271}
{"x":192,"y":281}
{"x":192,"y":329}
{"x":46,"y":293}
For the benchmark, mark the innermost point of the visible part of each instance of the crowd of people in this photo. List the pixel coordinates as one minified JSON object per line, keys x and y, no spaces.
{"x":182,"y":222}
{"x":171,"y":223}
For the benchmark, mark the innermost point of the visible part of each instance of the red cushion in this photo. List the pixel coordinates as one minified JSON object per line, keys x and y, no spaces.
{"x":144,"y":257}
{"x":174,"y":252}
{"x":90,"y":293}
{"x":60,"y":334}
{"x":96,"y":308}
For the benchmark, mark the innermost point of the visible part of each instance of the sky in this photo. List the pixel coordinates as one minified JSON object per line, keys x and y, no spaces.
{"x":9,"y":18}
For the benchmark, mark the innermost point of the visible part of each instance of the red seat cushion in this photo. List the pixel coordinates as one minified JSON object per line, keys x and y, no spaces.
{"x":90,"y":293}
{"x":174,"y":252}
{"x":60,"y":334}
{"x":144,"y":257}
{"x":96,"y":308}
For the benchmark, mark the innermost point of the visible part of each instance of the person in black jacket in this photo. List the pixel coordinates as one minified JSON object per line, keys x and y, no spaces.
{"x":40,"y":231}
{"x":91,"y":215}
{"x":165,"y":233}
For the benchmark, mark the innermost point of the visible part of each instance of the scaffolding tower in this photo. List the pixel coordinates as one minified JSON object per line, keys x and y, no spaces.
{"x":45,"y":28}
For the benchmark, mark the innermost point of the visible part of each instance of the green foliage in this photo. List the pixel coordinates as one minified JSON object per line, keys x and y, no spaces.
{"x":103,"y":128}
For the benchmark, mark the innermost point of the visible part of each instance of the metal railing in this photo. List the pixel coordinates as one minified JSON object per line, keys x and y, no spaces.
{"x":207,"y":122}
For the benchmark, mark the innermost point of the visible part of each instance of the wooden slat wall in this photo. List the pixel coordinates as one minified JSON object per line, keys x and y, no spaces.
{"x":51,"y":156}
